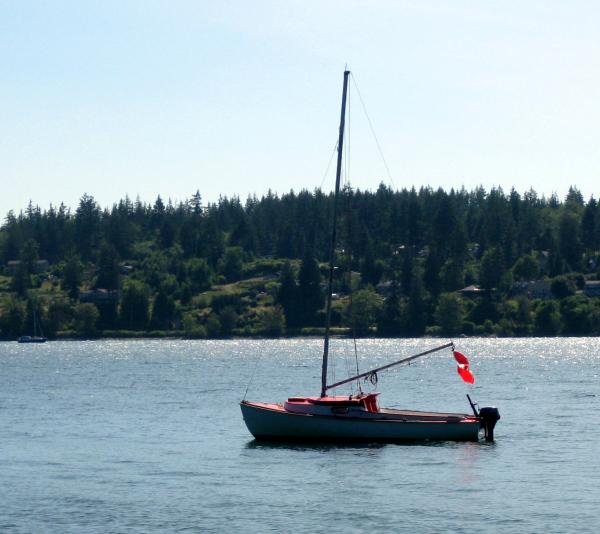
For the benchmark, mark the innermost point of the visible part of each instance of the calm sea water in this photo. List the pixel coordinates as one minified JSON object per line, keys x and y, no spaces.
{"x":147,"y":436}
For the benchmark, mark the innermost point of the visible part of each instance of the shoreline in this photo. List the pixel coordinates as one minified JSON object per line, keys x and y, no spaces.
{"x":146,"y":336}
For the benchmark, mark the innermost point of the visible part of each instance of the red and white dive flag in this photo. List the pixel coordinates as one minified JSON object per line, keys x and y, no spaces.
{"x":463,"y":367}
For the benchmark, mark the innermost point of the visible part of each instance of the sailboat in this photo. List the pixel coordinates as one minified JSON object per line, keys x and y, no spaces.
{"x":38,"y":335}
{"x":358,"y":417}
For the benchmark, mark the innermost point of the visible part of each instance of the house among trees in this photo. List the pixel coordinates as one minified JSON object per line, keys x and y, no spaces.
{"x":97,"y":296}
{"x":592,"y":288}
{"x":543,"y":259}
{"x":126,"y":269}
{"x":472,"y":291}
{"x":534,"y":289}
{"x":38,"y":267}
{"x":540,"y":289}
{"x":385,"y":289}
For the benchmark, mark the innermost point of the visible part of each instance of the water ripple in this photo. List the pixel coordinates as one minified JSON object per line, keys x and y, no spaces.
{"x":147,"y":436}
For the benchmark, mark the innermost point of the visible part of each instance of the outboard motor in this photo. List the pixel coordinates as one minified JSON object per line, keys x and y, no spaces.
{"x":489,"y":416}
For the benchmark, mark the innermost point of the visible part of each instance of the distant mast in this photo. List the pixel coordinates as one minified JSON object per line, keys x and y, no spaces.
{"x":333,"y":235}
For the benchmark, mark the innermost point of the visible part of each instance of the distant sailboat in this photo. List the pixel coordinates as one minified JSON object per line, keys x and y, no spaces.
{"x":358,"y":417}
{"x":38,"y":335}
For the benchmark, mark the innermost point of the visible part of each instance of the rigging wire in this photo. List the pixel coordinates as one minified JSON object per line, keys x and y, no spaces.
{"x":332,"y":370}
{"x":348,"y":262}
{"x":357,"y":369}
{"x":348,"y":130}
{"x":251,"y":378}
{"x":373,"y":131}
{"x":353,"y":327}
{"x":355,"y":347}
{"x":347,"y":366}
{"x":346,"y":355}
{"x":329,"y":164}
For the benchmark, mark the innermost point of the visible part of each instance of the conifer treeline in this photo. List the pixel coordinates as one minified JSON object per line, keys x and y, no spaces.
{"x":419,"y":246}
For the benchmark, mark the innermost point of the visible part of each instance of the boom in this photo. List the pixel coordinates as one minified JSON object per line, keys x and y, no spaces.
{"x":376,"y":370}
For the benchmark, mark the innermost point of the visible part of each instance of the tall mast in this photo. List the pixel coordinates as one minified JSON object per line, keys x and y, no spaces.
{"x":333,"y":232}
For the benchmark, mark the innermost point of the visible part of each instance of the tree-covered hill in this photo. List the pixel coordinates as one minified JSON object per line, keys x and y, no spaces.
{"x":405,"y":258}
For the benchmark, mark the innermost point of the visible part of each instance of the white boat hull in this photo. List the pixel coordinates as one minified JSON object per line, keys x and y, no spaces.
{"x":273,"y":422}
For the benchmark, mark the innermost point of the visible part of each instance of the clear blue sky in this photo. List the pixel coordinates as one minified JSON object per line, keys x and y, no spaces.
{"x":155,"y":97}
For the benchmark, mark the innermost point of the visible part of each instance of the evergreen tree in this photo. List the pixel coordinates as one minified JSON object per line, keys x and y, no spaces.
{"x":270,"y":322}
{"x":29,"y":255}
{"x":569,"y":241}
{"x":21,"y":280}
{"x":444,"y":224}
{"x":407,"y":273}
{"x":310,"y":295}
{"x":134,"y":306}
{"x":415,"y":312}
{"x":243,"y":235}
{"x":561,"y":287}
{"x":199,"y":274}
{"x":547,"y":319}
{"x":231,"y":265}
{"x":492,"y":268}
{"x":86,"y":318}
{"x":189,"y":236}
{"x":449,"y":314}
{"x":576,"y":314}
{"x":589,"y":230}
{"x":163,"y":311}
{"x":108,"y":268}
{"x":12,"y":320}
{"x":60,"y":314}
{"x":371,"y":270}
{"x":288,"y":295}
{"x":556,"y":263}
{"x":415,"y":223}
{"x":526,"y":268}
{"x":213,"y":326}
{"x":158,"y":213}
{"x":523,"y":316}
{"x":431,"y":277}
{"x":574,"y":199}
{"x":71,"y":276}
{"x":228,"y":319}
{"x":196,"y":203}
{"x":484,"y":310}
{"x":459,"y":242}
{"x":452,"y":275}
{"x":167,"y":233}
{"x":87,"y":226}
{"x":12,"y":243}
{"x":363,"y":310}
{"x":390,"y":319}
{"x":212,"y":243}
{"x":108,"y":314}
